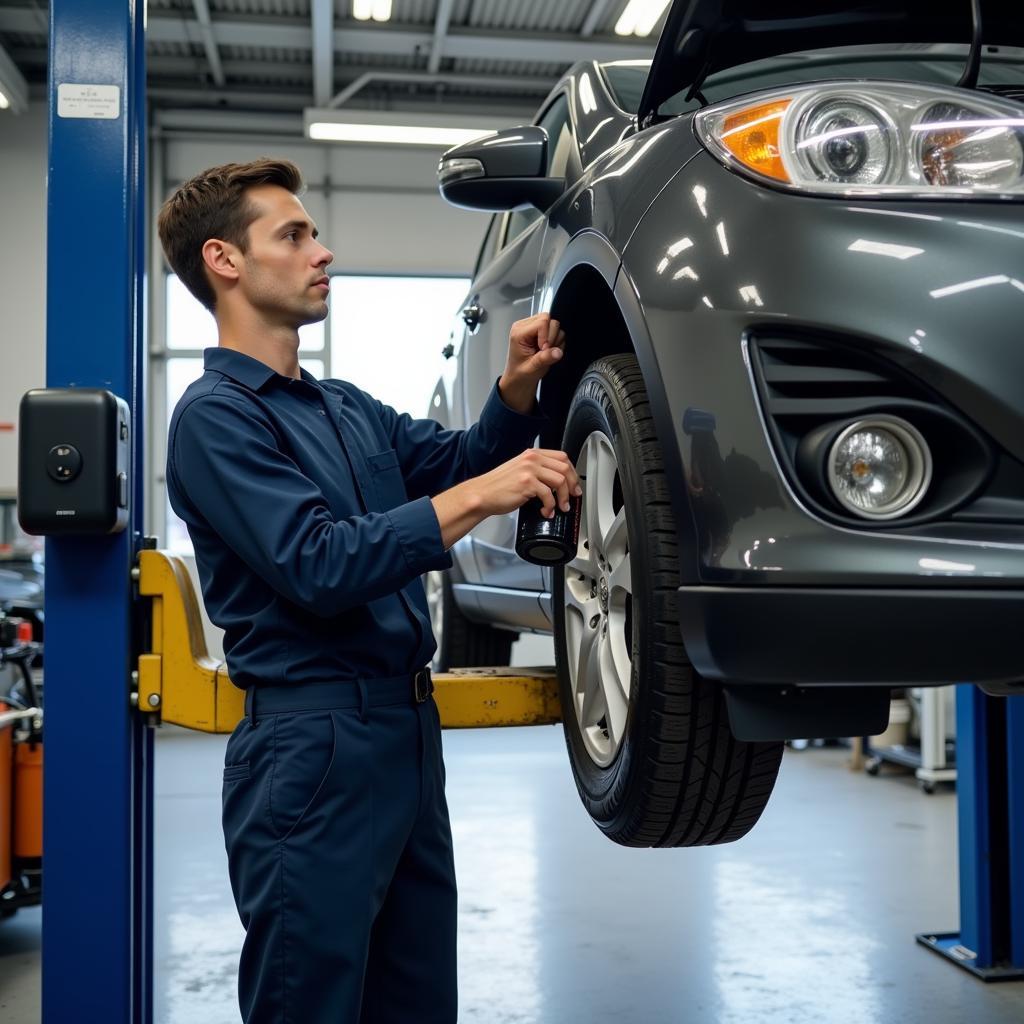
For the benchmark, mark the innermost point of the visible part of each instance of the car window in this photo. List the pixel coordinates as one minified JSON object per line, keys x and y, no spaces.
{"x":555,"y":121}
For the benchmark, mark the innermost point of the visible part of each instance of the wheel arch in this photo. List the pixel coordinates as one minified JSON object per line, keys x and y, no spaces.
{"x":594,"y":298}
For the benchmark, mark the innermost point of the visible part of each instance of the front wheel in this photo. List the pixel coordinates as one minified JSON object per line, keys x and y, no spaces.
{"x":654,"y":759}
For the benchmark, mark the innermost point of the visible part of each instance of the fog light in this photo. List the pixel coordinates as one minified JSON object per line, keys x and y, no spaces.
{"x":879,"y":468}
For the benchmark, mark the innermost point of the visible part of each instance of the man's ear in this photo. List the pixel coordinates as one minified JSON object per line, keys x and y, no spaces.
{"x":222,"y":259}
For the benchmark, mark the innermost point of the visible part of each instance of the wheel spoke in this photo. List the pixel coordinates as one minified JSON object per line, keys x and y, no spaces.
{"x":586,"y":607}
{"x":615,"y":700}
{"x":589,"y":693}
{"x":585,"y":561}
{"x":621,"y":577}
{"x":615,"y":544}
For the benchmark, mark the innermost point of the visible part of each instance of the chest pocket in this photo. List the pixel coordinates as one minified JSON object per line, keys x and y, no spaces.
{"x":387,"y":479}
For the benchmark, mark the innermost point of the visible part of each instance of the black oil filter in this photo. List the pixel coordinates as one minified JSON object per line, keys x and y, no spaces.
{"x":548,"y":541}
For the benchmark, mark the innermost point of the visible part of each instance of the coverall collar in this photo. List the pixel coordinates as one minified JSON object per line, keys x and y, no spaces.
{"x":246,"y":370}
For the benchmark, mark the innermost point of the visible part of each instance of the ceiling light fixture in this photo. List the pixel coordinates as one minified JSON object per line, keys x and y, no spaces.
{"x":386,"y":128}
{"x":640,"y":17}
{"x":378,"y":10}
{"x":4,"y":101}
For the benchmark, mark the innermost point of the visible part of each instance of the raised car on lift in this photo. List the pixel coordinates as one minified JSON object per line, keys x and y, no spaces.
{"x":787,"y":257}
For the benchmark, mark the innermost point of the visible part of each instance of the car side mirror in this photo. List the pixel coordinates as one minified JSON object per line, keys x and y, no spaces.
{"x":500,"y":171}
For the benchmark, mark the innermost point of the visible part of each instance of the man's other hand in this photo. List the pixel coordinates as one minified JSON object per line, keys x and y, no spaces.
{"x":534,"y":346}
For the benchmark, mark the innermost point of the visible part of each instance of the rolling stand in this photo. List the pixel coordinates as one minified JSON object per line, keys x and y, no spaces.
{"x":935,"y":760}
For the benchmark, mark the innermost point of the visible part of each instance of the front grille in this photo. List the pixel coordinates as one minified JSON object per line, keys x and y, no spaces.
{"x":802,"y":379}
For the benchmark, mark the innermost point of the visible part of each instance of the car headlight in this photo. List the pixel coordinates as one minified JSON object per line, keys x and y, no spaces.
{"x":875,"y":138}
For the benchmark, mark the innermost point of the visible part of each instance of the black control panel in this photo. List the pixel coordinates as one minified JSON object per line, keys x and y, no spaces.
{"x":73,"y":462}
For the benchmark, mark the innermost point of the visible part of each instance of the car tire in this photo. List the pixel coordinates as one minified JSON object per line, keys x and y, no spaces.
{"x":660,"y":767}
{"x":461,"y":643}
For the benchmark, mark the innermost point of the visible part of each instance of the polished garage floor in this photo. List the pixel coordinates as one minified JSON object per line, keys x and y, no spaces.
{"x":810,"y":920}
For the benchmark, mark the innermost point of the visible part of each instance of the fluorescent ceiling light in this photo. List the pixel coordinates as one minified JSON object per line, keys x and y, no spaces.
{"x":385,"y":127}
{"x":393,"y":134}
{"x":4,"y":101}
{"x":364,"y":10}
{"x":640,"y":17}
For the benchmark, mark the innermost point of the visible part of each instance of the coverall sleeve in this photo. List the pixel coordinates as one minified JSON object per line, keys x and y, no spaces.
{"x":227,"y":465}
{"x":434,"y":459}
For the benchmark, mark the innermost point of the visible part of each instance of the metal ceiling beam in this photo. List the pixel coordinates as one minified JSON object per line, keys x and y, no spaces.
{"x":13,"y":84}
{"x":202,"y":9}
{"x":598,"y":9}
{"x":229,"y":122}
{"x":294,"y":33}
{"x":426,"y":78}
{"x":444,"y":16}
{"x":237,"y":99}
{"x":322,"y":12}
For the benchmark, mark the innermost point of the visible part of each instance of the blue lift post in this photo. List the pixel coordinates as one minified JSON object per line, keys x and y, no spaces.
{"x":990,"y":792}
{"x":97,"y":917}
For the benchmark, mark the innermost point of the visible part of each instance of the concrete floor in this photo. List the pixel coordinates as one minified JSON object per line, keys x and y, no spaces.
{"x":809,"y":919}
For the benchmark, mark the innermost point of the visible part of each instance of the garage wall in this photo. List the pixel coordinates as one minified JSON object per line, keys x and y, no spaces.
{"x":22,"y":273}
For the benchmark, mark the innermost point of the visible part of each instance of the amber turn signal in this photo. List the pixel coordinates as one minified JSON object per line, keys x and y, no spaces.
{"x":752,"y":136}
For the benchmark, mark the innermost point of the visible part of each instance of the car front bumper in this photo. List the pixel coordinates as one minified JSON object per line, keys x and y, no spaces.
{"x":868,"y":636}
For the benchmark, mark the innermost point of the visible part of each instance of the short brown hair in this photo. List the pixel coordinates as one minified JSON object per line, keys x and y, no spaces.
{"x":213,"y":204}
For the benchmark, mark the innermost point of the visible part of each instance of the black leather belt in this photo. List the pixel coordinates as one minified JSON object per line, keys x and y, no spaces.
{"x":342,"y":693}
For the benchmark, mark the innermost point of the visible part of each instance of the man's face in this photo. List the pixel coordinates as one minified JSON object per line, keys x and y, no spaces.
{"x":284,"y":271}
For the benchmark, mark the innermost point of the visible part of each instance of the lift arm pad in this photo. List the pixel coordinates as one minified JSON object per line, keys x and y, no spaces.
{"x":181,"y":684}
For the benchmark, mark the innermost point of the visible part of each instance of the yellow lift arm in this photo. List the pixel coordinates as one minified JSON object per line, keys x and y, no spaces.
{"x":179,"y":683}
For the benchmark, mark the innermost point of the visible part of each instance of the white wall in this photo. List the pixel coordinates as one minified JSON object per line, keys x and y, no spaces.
{"x":22,"y":273}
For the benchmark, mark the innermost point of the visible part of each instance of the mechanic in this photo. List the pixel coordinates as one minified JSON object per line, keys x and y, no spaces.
{"x":314,"y":510}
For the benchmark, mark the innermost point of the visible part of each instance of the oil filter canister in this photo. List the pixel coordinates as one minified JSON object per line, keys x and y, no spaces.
{"x":548,"y":541}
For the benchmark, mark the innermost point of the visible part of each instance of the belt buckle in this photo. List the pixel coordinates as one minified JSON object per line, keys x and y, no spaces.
{"x":422,"y":685}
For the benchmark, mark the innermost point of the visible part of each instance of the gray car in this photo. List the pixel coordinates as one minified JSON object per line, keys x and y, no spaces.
{"x":788,"y":255}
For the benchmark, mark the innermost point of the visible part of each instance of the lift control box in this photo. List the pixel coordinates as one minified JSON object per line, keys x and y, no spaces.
{"x":73,"y":462}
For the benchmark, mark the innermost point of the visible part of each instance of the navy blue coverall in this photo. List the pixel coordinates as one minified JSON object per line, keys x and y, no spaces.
{"x":308,"y":503}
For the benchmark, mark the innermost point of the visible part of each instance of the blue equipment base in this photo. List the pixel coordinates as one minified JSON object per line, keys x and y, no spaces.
{"x":948,"y":945}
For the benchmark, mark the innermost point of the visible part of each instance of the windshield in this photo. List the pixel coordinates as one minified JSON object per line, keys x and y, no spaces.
{"x":927,"y":63}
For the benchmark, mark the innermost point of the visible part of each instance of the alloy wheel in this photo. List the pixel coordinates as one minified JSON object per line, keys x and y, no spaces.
{"x":599,"y":605}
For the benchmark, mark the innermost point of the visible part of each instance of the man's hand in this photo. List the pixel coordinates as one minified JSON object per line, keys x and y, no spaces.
{"x":537,"y":473}
{"x":534,"y":346}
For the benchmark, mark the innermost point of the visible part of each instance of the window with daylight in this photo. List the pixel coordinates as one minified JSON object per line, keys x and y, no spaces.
{"x":387,"y":334}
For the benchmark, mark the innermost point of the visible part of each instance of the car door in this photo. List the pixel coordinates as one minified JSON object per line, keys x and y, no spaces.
{"x":503,"y":293}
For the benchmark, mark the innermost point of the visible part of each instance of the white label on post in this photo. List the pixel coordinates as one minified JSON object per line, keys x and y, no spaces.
{"x":92,"y":101}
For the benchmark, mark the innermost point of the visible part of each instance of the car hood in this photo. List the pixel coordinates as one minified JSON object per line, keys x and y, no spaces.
{"x":703,"y":36}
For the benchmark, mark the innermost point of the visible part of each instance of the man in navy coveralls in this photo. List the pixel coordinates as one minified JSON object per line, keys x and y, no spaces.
{"x":314,"y":511}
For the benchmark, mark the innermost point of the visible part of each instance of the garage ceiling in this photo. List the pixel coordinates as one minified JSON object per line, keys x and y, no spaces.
{"x":457,"y":56}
